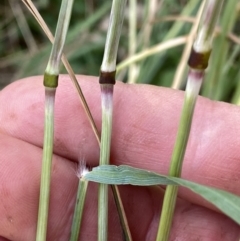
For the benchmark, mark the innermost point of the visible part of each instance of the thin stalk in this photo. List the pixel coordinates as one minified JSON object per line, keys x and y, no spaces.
{"x":150,"y":67}
{"x":180,"y":73}
{"x":80,"y":201}
{"x":113,"y":36}
{"x":107,"y":97}
{"x":48,"y":33}
{"x":122,"y":214}
{"x":152,"y":51}
{"x":152,"y":8}
{"x":216,"y":85}
{"x":23,"y":26}
{"x":198,"y":62}
{"x":46,"y":165}
{"x":194,"y":83}
{"x":42,"y":23}
{"x":51,"y":82}
{"x":132,"y":43}
{"x":107,"y":81}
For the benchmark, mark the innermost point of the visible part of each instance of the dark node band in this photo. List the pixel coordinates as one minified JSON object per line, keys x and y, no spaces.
{"x":50,"y":81}
{"x":107,"y":77}
{"x":199,"y":60}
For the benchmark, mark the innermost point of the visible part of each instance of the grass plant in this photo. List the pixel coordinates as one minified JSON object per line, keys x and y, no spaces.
{"x":51,"y":82}
{"x":68,"y":67}
{"x":107,"y":81}
{"x":133,"y":69}
{"x":153,"y":42}
{"x":80,"y":200}
{"x":215,"y":84}
{"x":116,"y":194}
{"x":227,"y":202}
{"x":198,"y":62}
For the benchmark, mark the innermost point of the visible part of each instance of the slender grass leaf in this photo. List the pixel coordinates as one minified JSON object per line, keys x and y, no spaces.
{"x":121,"y":175}
{"x":227,"y":202}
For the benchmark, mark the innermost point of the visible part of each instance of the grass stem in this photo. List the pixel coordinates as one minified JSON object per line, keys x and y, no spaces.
{"x":51,"y":82}
{"x":107,"y":96}
{"x":107,"y":81}
{"x":133,"y":69}
{"x":46,"y":164}
{"x":198,"y":62}
{"x":80,"y":201}
{"x":192,"y":90}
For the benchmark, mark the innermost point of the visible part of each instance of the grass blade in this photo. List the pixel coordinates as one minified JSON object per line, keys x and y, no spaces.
{"x":227,"y":202}
{"x":123,"y":175}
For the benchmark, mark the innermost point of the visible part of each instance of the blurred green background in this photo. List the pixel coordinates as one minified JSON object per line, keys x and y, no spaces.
{"x":24,"y":48}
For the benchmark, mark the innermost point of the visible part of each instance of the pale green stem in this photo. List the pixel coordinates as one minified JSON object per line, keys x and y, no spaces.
{"x":133,"y":69}
{"x":48,"y":33}
{"x":198,"y":62}
{"x":51,"y":83}
{"x":113,"y":35}
{"x":107,"y":100}
{"x":79,"y":206}
{"x":107,"y":81}
{"x":46,"y":164}
{"x":182,"y":66}
{"x":153,"y":8}
{"x":60,"y":37}
{"x":192,"y":90}
{"x":152,"y":51}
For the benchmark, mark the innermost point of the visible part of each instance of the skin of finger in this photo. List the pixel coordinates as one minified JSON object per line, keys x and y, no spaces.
{"x":144,"y":129}
{"x":20,"y":180}
{"x":19,"y":190}
{"x":19,"y":194}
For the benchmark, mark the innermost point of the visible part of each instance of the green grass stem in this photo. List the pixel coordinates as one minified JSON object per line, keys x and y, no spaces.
{"x":79,"y":206}
{"x":215,"y":84}
{"x":60,"y":37}
{"x":198,"y":62}
{"x":113,"y":36}
{"x":170,"y":196}
{"x":46,"y":165}
{"x":107,"y":81}
{"x":51,"y":82}
{"x":133,"y":69}
{"x":107,"y":95}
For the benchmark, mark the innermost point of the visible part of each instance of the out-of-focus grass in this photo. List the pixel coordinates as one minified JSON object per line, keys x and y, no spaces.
{"x":21,"y":57}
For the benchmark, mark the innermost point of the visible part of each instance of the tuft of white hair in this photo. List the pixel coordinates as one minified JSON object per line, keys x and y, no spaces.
{"x":82,"y":169}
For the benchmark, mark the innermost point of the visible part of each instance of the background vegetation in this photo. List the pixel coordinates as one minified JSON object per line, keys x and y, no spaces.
{"x":24,"y":48}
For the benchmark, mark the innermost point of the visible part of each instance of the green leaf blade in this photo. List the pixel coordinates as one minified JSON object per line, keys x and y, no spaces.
{"x":226,"y":202}
{"x":123,"y":175}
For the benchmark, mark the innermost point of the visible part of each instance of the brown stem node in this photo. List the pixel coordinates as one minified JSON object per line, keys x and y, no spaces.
{"x":107,"y":77}
{"x":198,"y":60}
